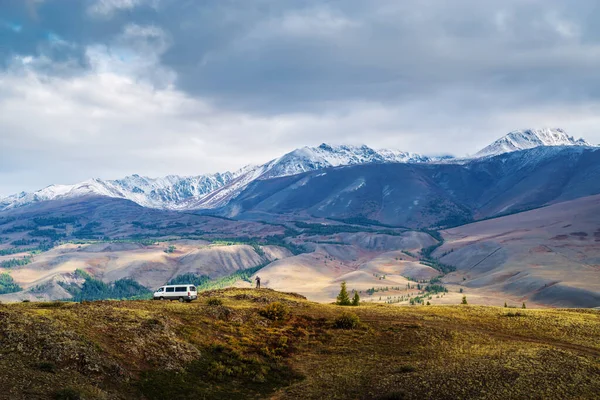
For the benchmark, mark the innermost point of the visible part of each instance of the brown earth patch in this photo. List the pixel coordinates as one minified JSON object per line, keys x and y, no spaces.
{"x":540,"y":249}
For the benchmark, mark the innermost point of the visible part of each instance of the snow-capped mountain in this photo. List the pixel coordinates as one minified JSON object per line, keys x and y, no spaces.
{"x":529,"y":138}
{"x":303,"y":160}
{"x":216,"y":190}
{"x":324,"y":156}
{"x":210,"y":191}
{"x":167,"y":192}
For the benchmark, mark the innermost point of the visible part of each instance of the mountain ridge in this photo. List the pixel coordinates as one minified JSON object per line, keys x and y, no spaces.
{"x":428,"y":195}
{"x":216,"y":190}
{"x":530,"y":138}
{"x":183,"y":193}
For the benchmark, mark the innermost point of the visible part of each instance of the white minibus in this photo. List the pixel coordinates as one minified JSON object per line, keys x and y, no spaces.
{"x":186,"y":292}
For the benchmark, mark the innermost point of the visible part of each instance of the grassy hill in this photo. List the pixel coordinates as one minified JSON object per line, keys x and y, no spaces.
{"x":242,"y":343}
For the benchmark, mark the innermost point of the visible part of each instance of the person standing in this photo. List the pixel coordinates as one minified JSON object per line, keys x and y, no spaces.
{"x":257,"y":282}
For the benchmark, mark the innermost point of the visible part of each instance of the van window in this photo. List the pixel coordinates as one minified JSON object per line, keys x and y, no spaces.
{"x":170,"y":289}
{"x":161,"y":290}
{"x":192,"y":288}
{"x":181,"y":289}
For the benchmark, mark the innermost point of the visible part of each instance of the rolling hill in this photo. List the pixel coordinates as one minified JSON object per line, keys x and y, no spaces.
{"x":262,"y":344}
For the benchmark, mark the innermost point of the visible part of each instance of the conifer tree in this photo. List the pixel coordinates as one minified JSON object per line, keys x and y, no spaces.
{"x":524,"y":305}
{"x":356,"y":299}
{"x":505,"y":305}
{"x":343,"y":299}
{"x":464,"y":300}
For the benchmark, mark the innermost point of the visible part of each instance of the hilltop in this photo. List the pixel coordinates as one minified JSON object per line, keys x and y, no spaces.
{"x":242,"y":343}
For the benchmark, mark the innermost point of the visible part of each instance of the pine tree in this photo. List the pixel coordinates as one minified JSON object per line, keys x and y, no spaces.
{"x":343,"y":299}
{"x":505,"y":305}
{"x":524,"y":305}
{"x":356,"y":299}
{"x":464,"y":300}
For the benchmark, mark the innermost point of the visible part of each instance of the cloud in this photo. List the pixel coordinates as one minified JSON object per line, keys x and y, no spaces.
{"x":106,"y":8}
{"x":13,"y":26}
{"x":315,"y":22}
{"x":109,"y":88}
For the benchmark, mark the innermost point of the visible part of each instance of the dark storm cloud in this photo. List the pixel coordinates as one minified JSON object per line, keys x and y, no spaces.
{"x":99,"y":84}
{"x":274,"y":56}
{"x":286,"y":56}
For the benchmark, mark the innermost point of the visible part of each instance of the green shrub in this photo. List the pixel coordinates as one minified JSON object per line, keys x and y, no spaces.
{"x":514,"y":314}
{"x":94,"y":289}
{"x":46,"y":366}
{"x":464,"y":300}
{"x":405,"y":369}
{"x":51,"y":304}
{"x":221,"y":373}
{"x":275,"y":311}
{"x":214,"y":302}
{"x":16,"y":262}
{"x":395,"y":395}
{"x":8,"y":285}
{"x":347,"y":321}
{"x":67,"y":394}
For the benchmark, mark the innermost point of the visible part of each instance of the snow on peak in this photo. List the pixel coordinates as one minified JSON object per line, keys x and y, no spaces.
{"x":215,"y":190}
{"x":167,"y":192}
{"x":529,"y":138}
{"x":326,"y":155}
{"x":303,"y":160}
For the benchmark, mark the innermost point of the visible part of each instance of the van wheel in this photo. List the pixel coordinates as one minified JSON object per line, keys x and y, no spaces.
{"x":181,"y":300}
{"x":161,"y":298}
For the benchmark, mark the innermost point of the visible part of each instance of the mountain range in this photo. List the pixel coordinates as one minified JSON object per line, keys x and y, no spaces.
{"x":427,"y":194}
{"x":217,"y":190}
{"x":516,"y":222}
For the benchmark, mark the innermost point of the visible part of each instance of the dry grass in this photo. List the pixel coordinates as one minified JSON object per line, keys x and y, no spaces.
{"x":144,"y":349}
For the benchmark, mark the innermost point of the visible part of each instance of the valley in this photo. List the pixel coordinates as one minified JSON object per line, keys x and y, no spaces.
{"x":515,"y":225}
{"x":513,"y":259}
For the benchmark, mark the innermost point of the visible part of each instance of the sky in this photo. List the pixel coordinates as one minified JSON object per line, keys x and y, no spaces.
{"x":109,"y":88}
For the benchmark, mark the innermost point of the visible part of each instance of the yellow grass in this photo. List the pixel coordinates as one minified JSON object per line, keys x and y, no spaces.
{"x":241,"y":349}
